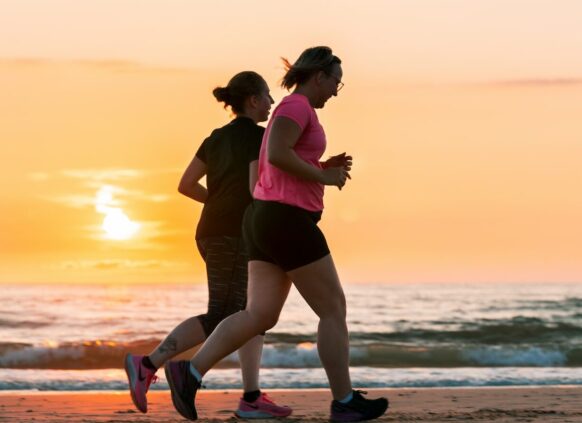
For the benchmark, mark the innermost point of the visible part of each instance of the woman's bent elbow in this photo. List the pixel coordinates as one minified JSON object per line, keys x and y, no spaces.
{"x":275,"y":160}
{"x":184,"y":189}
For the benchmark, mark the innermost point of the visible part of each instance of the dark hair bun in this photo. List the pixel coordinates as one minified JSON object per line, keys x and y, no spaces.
{"x":222,"y":94}
{"x":239,"y":88}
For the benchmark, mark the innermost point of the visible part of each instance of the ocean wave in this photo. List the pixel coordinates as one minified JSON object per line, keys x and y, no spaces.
{"x":516,"y":330}
{"x":528,"y":356}
{"x":109,"y":355}
{"x":566,"y":304}
{"x":98,"y":354}
{"x":24,"y":324}
{"x":363,"y":377}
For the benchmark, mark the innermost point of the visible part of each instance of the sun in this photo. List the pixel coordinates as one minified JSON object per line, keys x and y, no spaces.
{"x":118,"y":226}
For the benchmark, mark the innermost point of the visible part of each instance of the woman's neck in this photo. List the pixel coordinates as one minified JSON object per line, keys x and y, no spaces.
{"x":248,"y":115}
{"x":307,"y":92}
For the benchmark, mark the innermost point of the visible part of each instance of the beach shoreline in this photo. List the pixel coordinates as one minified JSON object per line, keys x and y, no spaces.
{"x":475,"y":404}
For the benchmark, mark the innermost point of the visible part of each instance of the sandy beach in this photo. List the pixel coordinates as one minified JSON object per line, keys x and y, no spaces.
{"x":532,"y":404}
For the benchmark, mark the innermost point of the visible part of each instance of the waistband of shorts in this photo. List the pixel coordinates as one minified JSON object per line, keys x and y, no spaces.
{"x":315,"y":215}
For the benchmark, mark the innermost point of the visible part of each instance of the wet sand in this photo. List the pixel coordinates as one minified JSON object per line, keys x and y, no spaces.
{"x":531,"y":404}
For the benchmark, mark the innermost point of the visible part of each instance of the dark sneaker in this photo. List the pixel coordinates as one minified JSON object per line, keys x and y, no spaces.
{"x":358,"y":409}
{"x":183,"y":386}
{"x":140,"y":378}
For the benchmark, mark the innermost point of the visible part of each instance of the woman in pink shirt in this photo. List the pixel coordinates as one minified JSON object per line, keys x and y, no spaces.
{"x":286,"y":247}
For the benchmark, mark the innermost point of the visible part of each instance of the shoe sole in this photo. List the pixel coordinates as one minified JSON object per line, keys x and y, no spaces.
{"x":131,"y":375}
{"x":361,"y":419}
{"x":176,"y":400}
{"x":258,"y":414}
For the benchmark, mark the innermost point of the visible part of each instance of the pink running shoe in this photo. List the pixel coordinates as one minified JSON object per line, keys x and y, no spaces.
{"x":140,"y":378}
{"x":262,"y":408}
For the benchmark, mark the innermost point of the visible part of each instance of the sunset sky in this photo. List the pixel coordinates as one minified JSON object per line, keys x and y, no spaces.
{"x":464,"y":119}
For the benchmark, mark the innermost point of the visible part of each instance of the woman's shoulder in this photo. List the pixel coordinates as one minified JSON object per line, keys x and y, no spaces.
{"x":297,"y":108}
{"x":294,"y":103}
{"x":228,"y":128}
{"x":294,"y":98}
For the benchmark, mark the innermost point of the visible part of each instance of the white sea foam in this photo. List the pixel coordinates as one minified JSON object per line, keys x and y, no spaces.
{"x":515,"y":356}
{"x":304,"y":355}
{"x":115,"y":379}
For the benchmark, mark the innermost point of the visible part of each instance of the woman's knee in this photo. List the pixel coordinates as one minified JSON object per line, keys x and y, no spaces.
{"x":339,"y":309}
{"x":263,"y":320}
{"x":332,"y":308}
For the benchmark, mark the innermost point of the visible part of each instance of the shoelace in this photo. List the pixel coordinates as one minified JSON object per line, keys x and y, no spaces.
{"x":267,"y":399}
{"x":153,"y":380}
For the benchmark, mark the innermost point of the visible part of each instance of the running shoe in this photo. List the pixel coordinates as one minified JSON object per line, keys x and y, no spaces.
{"x":140,"y":378}
{"x":183,"y":386}
{"x":263,"y":408}
{"x":358,"y":409}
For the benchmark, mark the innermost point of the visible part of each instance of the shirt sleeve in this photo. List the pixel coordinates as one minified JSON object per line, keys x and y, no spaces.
{"x":201,"y":153}
{"x":255,"y":145}
{"x":297,"y":111}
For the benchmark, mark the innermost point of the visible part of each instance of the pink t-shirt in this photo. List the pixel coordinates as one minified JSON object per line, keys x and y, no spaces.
{"x":277,"y":185}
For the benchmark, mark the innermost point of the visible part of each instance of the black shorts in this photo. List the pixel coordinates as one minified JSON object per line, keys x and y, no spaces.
{"x":284,"y":235}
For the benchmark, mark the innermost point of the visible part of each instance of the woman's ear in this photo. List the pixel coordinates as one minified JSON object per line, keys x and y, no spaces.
{"x":253,"y":101}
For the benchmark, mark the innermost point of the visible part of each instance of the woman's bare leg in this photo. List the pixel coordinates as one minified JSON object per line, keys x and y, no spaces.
{"x":250,"y":362}
{"x":186,"y":335}
{"x":267,"y":291}
{"x":318,"y":283}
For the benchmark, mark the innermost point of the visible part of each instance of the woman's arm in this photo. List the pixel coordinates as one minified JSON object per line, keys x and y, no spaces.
{"x":283,"y":136}
{"x":190,"y":185}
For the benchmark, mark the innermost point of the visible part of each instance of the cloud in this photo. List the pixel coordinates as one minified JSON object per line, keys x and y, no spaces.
{"x":89,"y":200}
{"x":74,"y":201}
{"x":109,"y":65}
{"x":96,"y":179}
{"x":540,"y":82}
{"x":126,"y":66}
{"x":121,"y":264}
{"x":38,"y":176}
{"x":153,"y":235}
{"x":159,"y":198}
{"x":24,"y":61}
{"x":101,"y":175}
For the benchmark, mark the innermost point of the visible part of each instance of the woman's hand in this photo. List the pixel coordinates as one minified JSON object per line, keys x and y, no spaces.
{"x":190,"y":185}
{"x":336,"y":176}
{"x":336,"y":170}
{"x":341,"y":160}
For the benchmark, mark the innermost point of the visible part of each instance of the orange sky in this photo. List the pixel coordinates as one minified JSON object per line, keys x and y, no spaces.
{"x":462,"y":117}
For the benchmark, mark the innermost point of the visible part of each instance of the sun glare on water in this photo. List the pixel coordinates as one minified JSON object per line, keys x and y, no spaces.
{"x":116,"y":224}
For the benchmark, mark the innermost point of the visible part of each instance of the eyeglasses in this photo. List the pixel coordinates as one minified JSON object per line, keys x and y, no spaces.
{"x":339,"y":84}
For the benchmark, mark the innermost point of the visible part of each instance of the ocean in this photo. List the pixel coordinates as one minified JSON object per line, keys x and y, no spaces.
{"x":73,"y":338}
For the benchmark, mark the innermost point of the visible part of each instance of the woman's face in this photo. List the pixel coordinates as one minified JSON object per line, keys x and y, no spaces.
{"x":329,"y":84}
{"x":264,"y":102}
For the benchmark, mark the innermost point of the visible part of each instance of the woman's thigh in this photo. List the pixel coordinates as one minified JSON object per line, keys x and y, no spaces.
{"x":267,"y":291}
{"x":319,"y":284}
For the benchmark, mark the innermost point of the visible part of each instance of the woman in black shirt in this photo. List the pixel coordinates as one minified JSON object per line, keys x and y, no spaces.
{"x":228,"y":158}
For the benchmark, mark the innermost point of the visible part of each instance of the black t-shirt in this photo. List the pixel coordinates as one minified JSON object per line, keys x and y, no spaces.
{"x":227,"y":153}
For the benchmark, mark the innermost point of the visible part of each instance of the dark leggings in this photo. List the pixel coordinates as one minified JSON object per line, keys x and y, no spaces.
{"x":226,"y":267}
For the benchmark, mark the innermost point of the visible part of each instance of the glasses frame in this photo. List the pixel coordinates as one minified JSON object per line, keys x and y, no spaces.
{"x":339,"y":84}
